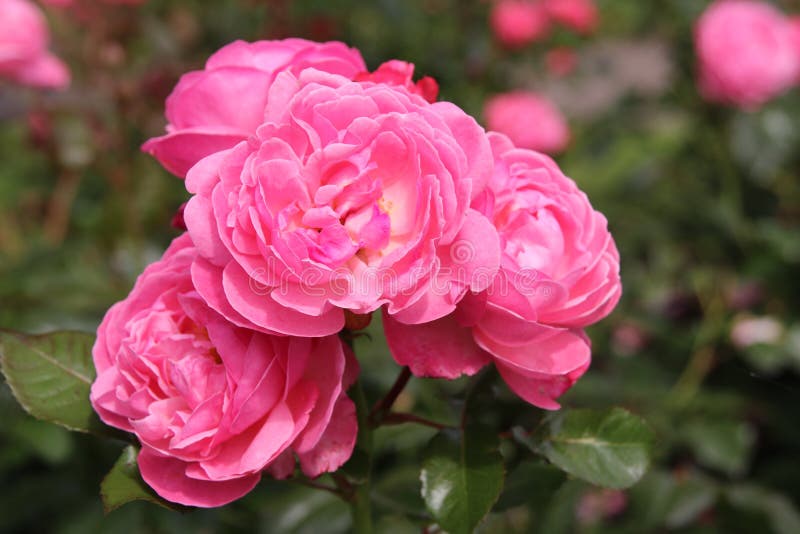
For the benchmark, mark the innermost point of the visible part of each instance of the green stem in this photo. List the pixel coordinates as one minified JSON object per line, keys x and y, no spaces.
{"x":361,"y":510}
{"x":703,"y":356}
{"x":397,"y":418}
{"x":384,"y":406}
{"x":360,"y":505}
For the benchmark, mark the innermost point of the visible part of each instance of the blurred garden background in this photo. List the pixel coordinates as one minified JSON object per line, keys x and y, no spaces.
{"x":703,"y":201}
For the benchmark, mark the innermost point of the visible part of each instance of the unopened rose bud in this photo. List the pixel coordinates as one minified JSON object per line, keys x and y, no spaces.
{"x":177,"y":219}
{"x":356,"y":321}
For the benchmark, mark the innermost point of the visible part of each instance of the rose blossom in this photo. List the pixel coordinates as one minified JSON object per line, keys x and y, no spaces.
{"x":351,"y":196}
{"x":24,"y":38}
{"x":746,"y":53}
{"x":214,"y":405}
{"x":559,"y":273}
{"x":517,"y":23}
{"x":579,"y":15}
{"x":529,"y":119}
{"x":215,"y":108}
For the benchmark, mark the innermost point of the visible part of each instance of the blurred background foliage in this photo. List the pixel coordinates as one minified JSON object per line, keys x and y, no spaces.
{"x":704,"y":203}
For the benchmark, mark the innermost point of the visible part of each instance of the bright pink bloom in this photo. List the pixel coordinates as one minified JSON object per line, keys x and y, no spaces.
{"x":578,"y":15}
{"x":517,"y":23}
{"x":215,"y":108}
{"x":396,"y":72}
{"x":351,"y":196}
{"x":559,"y":273}
{"x":746,"y":53}
{"x":529,"y":119}
{"x":215,"y":405}
{"x":24,"y":38}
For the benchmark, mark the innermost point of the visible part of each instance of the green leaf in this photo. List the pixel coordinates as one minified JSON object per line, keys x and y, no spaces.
{"x":759,"y":507}
{"x":51,"y":443}
{"x":124,"y":484}
{"x":609,"y":448}
{"x":50,"y":376}
{"x":462,"y":476}
{"x":559,"y":514}
{"x":721,"y":444}
{"x":529,"y":483}
{"x":670,"y":500}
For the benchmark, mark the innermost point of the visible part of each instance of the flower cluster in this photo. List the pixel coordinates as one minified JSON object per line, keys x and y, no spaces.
{"x":748,"y":52}
{"x":321,"y":192}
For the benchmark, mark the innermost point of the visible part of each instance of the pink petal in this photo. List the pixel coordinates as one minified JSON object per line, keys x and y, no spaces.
{"x":559,"y":354}
{"x":539,"y":389}
{"x":267,"y":313}
{"x":335,"y":446}
{"x":167,"y":476}
{"x":181,"y":150}
{"x":439,"y":349}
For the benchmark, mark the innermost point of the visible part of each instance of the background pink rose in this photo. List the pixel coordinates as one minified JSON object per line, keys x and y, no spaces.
{"x":746,"y":53}
{"x":578,"y":15}
{"x":529,"y":119}
{"x":215,"y":108}
{"x":516,"y":23}
{"x":351,"y":196}
{"x":24,"y":38}
{"x":559,"y":273}
{"x":212,"y":404}
{"x":795,"y":27}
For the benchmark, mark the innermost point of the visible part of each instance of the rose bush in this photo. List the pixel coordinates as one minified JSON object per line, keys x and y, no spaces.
{"x":559,"y":273}
{"x":24,"y":38}
{"x":215,"y":405}
{"x":746,"y":53}
{"x":351,"y":196}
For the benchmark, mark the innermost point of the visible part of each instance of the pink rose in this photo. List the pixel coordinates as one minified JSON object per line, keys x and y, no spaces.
{"x":215,"y":108}
{"x":396,"y":72}
{"x":517,"y":23}
{"x":351,"y":196}
{"x":746,"y":53}
{"x":24,"y":38}
{"x":529,"y":119}
{"x":559,"y":273}
{"x":579,"y":15}
{"x":215,"y":405}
